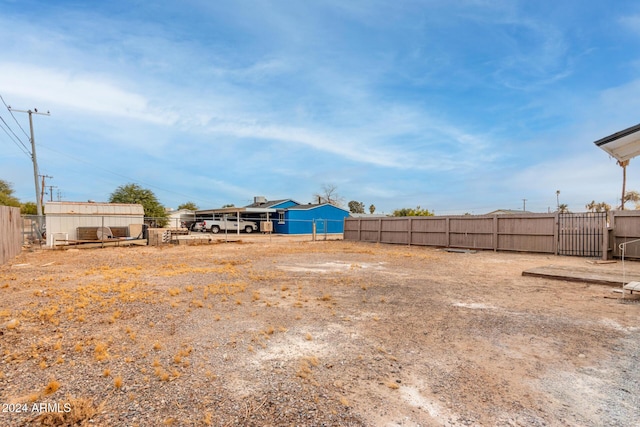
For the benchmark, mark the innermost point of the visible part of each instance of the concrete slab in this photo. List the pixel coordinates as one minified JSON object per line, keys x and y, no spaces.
{"x":583,"y":274}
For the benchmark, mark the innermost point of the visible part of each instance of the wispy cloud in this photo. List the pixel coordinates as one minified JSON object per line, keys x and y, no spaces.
{"x":81,"y":92}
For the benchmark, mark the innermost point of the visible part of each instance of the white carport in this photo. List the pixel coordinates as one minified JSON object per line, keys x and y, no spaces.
{"x":237,"y":211}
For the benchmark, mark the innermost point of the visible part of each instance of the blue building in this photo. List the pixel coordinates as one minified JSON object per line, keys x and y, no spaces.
{"x":286,"y":215}
{"x":299,"y":219}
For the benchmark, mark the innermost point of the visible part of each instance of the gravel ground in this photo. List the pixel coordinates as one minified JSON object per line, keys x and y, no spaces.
{"x":278,"y":332}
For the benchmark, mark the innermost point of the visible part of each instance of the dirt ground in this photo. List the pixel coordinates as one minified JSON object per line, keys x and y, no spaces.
{"x":282,"y":332}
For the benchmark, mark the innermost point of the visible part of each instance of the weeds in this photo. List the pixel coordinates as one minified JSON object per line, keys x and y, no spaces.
{"x":81,"y":411}
{"x":51,"y":388}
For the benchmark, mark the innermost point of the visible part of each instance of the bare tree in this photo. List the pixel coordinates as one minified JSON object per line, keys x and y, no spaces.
{"x":329,"y":194}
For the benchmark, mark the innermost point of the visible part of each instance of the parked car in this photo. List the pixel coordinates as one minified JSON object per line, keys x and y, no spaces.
{"x":229,"y":224}
{"x":197,"y":226}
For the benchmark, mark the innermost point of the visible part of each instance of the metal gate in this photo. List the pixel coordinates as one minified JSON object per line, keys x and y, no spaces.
{"x":581,"y":234}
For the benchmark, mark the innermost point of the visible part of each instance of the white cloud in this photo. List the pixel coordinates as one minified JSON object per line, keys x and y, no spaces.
{"x":79,"y":91}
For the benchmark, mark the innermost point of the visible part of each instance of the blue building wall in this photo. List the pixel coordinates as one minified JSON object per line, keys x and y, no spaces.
{"x":328,"y":219}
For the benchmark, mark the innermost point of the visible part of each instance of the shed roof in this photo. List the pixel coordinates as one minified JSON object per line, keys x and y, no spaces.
{"x":93,"y":208}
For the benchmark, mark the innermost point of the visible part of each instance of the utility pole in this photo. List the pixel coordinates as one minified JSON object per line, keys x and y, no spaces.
{"x":51,"y":187}
{"x":524,"y":204}
{"x":34,"y":159}
{"x":43,"y":187}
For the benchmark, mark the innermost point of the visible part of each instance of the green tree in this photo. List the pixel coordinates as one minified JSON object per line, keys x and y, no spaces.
{"x":228,"y":205}
{"x":563,"y":208}
{"x":189,"y":206}
{"x":29,"y":208}
{"x":418,"y":211}
{"x":6,"y":195}
{"x":356,"y":207}
{"x":133,"y":193}
{"x":372,"y":209}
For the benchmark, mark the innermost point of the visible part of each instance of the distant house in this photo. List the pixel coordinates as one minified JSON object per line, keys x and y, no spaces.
{"x":508,"y":212}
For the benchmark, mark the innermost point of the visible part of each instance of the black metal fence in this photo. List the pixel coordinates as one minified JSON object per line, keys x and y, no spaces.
{"x":581,"y":234}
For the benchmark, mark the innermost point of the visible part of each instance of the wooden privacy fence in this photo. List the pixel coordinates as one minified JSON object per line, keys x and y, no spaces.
{"x":530,"y":233}
{"x":582,"y":234}
{"x":10,"y":233}
{"x":624,"y":227}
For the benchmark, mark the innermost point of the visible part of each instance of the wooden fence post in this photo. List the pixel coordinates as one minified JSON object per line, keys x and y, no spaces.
{"x":446,"y":226}
{"x":379,"y":230}
{"x":613,"y":236}
{"x":409,"y":229}
{"x":495,"y":233}
{"x":556,"y":233}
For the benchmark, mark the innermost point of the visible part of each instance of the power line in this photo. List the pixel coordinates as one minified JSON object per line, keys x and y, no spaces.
{"x":14,"y":117}
{"x":16,"y":141}
{"x":120,"y":175}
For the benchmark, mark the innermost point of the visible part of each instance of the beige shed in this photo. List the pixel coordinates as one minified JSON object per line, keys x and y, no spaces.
{"x":64,"y":220}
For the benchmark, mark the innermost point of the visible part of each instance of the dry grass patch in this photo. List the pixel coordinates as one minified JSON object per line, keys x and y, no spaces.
{"x":51,"y":387}
{"x":75,"y":412}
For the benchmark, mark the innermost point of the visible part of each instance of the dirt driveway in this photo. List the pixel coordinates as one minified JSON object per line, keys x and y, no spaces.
{"x":282,"y":332}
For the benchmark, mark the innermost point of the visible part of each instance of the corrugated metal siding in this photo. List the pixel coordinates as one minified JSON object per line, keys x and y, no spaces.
{"x":66,"y":217}
{"x":87,"y":208}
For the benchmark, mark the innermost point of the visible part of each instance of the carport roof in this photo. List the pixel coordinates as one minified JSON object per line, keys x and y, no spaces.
{"x":234,"y":210}
{"x":623,"y":145}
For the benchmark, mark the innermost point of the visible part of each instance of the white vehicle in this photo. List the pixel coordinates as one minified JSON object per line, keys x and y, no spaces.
{"x":229,"y":224}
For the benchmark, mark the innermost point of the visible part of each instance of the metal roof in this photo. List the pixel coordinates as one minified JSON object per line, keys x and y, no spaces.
{"x":311,"y":206}
{"x":623,"y":145}
{"x":270,"y":203}
{"x":234,"y":210}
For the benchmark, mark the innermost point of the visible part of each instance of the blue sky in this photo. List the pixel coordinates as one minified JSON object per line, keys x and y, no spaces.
{"x":456,"y":106}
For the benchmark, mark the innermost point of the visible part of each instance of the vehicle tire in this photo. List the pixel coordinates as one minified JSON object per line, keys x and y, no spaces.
{"x":248,"y":229}
{"x":215,"y":229}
